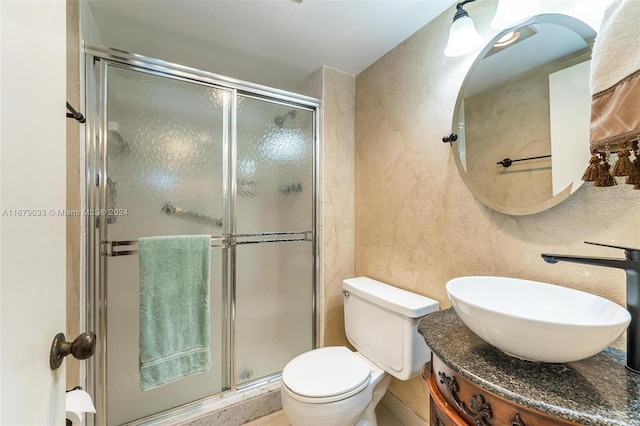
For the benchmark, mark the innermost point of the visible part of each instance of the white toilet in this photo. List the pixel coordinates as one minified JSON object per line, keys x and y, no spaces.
{"x":334,"y":386}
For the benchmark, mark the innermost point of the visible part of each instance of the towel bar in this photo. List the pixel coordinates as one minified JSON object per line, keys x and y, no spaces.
{"x":169,"y":209}
{"x":508,"y":161}
{"x":123,"y":248}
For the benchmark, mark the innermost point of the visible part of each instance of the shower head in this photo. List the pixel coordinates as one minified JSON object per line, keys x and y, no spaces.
{"x":279,"y":120}
{"x":116,"y":144}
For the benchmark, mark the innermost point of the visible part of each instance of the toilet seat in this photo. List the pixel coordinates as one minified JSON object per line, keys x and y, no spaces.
{"x":326,"y":375}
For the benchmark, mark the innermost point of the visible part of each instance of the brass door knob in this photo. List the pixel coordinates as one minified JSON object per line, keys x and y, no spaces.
{"x":82,"y":347}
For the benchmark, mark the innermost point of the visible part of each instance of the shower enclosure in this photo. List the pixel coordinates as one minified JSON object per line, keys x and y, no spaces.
{"x":177,"y":151}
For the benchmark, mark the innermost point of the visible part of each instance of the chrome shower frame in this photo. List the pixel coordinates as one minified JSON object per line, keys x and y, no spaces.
{"x":97,"y":58}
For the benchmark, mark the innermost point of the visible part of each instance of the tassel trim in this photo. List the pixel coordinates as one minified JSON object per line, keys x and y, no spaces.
{"x":607,"y":179}
{"x":594,"y":171}
{"x":600,"y":172}
{"x":623,"y":166}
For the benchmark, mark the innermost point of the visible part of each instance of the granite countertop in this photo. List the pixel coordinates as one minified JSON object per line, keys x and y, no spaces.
{"x":596,"y":391}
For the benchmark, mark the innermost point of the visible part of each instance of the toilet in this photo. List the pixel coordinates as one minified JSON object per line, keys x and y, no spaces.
{"x":333,"y":386}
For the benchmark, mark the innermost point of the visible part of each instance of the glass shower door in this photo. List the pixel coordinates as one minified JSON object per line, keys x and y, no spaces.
{"x":176,"y":152}
{"x":274,"y":253}
{"x":166,"y":152}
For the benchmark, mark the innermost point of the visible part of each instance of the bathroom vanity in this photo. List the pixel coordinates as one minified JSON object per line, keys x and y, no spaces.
{"x":472,"y":382}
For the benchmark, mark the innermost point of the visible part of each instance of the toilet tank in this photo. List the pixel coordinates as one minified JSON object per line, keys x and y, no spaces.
{"x":381,"y":322}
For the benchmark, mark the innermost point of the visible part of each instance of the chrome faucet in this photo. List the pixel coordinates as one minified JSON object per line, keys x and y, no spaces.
{"x":631,"y":265}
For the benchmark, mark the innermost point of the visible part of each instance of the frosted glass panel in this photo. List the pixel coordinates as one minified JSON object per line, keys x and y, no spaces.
{"x":274,"y":281}
{"x":125,"y":401}
{"x":169,"y":171}
{"x":275,"y":167}
{"x":166,"y":143}
{"x":273,"y":307}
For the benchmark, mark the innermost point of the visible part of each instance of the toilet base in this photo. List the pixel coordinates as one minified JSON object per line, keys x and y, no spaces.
{"x":369,"y":417}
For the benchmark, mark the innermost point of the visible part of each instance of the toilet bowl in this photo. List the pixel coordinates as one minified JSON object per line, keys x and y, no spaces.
{"x":334,"y":386}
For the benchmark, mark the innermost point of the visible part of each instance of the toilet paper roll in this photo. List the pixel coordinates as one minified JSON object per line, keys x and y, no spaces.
{"x":74,"y":418}
{"x":77,"y":403}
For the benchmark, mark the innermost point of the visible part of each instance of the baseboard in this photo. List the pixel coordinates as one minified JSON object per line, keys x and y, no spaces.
{"x":399,"y":409}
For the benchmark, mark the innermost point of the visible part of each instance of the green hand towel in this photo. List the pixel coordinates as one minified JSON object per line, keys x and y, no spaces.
{"x":174,"y":308}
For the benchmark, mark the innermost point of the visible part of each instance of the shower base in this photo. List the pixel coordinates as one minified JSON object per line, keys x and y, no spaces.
{"x":228,"y":409}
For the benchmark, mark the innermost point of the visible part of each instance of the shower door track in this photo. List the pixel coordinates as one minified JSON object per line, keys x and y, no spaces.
{"x":176,"y":70}
{"x":100,"y":248}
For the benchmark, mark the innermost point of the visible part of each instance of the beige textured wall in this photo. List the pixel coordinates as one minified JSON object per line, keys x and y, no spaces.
{"x":417,"y":225}
{"x":337,"y":182}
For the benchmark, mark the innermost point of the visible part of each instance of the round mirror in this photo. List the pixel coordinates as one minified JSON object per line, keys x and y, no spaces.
{"x":522,"y":115}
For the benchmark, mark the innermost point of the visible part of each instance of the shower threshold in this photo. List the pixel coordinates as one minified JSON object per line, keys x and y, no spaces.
{"x":230,"y":408}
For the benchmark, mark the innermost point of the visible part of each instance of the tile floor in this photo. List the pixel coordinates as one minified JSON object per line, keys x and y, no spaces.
{"x":385,"y":418}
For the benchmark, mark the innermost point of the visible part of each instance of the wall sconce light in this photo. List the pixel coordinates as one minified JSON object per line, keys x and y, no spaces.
{"x":510,"y":12}
{"x":463,"y":36}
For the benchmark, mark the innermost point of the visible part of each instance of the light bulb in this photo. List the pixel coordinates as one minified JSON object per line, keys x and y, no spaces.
{"x":463,"y":37}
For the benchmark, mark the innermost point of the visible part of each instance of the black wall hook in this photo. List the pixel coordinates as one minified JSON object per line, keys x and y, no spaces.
{"x":451,"y":138}
{"x":75,"y":114}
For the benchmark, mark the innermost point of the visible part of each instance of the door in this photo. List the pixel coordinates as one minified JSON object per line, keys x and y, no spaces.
{"x":32,"y":235}
{"x":174,"y":154}
{"x":274,"y":253}
{"x":165,"y":150}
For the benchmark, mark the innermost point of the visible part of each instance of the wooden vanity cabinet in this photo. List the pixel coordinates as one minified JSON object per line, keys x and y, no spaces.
{"x":457,"y":402}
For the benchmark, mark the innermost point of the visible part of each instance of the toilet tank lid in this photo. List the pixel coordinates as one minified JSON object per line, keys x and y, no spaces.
{"x":395,"y":299}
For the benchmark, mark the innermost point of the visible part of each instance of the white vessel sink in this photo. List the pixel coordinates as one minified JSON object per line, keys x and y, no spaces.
{"x":537,"y":321}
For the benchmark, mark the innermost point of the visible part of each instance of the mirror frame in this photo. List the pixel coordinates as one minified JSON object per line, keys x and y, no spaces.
{"x":579,"y":27}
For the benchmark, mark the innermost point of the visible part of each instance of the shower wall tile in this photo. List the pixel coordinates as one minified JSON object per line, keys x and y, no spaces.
{"x":320,"y":207}
{"x":321,"y":323}
{"x":320,"y":283}
{"x":313,"y":86}
{"x":338,"y":129}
